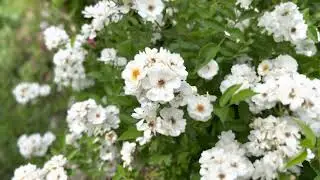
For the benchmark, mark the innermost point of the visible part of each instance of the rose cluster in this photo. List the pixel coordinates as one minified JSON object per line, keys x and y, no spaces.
{"x":52,"y":169}
{"x":35,"y":144}
{"x":158,"y":77}
{"x":26,"y":91}
{"x":286,"y":23}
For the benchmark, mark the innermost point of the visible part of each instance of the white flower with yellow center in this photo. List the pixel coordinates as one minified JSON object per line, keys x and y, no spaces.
{"x":132,"y":74}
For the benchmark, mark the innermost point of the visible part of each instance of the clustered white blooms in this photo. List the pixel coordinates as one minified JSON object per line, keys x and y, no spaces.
{"x":68,"y":60}
{"x":28,"y":91}
{"x":87,"y":117}
{"x":154,"y":75}
{"x":102,"y":14}
{"x":286,"y":23}
{"x":109,"y":56}
{"x":69,"y":69}
{"x":240,"y":74}
{"x":209,"y":70}
{"x":281,"y":83}
{"x":35,"y":144}
{"x":226,"y":160}
{"x":169,"y":123}
{"x":157,"y":77}
{"x":108,"y":150}
{"x":127,"y":153}
{"x":28,"y":172}
{"x":93,"y":119}
{"x":55,"y":37}
{"x":52,"y":170}
{"x":150,"y":10}
{"x":278,"y":81}
{"x":274,"y":140}
{"x":109,"y":153}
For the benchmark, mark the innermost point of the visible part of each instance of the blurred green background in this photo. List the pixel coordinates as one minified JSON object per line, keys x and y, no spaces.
{"x":23,"y":57}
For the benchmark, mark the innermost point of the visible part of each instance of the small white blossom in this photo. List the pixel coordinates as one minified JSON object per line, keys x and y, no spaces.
{"x":54,"y":37}
{"x":108,"y":152}
{"x":150,"y":10}
{"x":110,"y":137}
{"x":209,"y":71}
{"x":127,"y":153}
{"x":200,"y":107}
{"x":172,"y":122}
{"x":108,"y":55}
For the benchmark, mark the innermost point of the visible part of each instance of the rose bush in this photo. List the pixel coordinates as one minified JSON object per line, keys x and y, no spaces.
{"x":176,"y":89}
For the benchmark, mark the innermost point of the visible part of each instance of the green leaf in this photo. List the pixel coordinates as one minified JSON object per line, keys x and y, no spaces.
{"x":310,"y":138}
{"x":227,"y":95}
{"x":244,"y":112}
{"x":224,"y":113}
{"x":207,"y":52}
{"x":299,"y":158}
{"x":283,"y":176}
{"x":195,"y":176}
{"x":235,"y":35}
{"x":131,"y":133}
{"x":241,"y":96}
{"x":72,"y":154}
{"x":312,"y":33}
{"x":58,"y":3}
{"x":246,"y":15}
{"x":120,"y":173}
{"x":159,"y":159}
{"x":237,"y":126}
{"x":315,"y":165}
{"x":95,"y":75}
{"x":317,"y":178}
